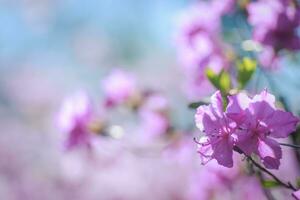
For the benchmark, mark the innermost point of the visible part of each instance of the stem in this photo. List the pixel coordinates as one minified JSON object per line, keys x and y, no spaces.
{"x":286,"y":185}
{"x":266,"y":191}
{"x":290,"y":145}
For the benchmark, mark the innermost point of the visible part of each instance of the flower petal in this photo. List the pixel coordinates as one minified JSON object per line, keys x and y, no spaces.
{"x":217,"y":103}
{"x":236,"y":107}
{"x":282,"y":124}
{"x":270,"y":153}
{"x":201,"y":110}
{"x":246,"y":141}
{"x":223,"y":152}
{"x":205,"y":150}
{"x":266,"y":97}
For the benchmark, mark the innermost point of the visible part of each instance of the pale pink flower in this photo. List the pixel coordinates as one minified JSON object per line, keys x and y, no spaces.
{"x":119,"y":86}
{"x":153,"y":115}
{"x":73,"y":120}
{"x":275,"y":24}
{"x":199,"y":46}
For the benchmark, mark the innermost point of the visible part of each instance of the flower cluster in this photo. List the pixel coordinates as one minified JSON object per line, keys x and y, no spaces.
{"x":275,"y":24}
{"x":247,"y":124}
{"x":73,"y":120}
{"x":119,"y":86}
{"x":154,"y":116}
{"x":80,"y":122}
{"x":199,"y":45}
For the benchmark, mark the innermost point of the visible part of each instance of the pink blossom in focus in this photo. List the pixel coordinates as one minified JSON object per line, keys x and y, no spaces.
{"x":248,"y":123}
{"x":218,"y":128}
{"x":259,"y":121}
{"x":73,"y":119}
{"x":118,"y":87}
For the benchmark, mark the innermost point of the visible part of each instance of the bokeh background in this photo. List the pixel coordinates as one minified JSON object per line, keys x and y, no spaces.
{"x":51,"y":48}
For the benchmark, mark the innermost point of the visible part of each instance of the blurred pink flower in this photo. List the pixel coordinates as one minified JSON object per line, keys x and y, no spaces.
{"x":199,"y":47}
{"x":268,"y":58}
{"x":118,"y":87}
{"x":248,"y":188}
{"x":73,"y":120}
{"x":223,"y":7}
{"x":154,"y":118}
{"x":275,"y":24}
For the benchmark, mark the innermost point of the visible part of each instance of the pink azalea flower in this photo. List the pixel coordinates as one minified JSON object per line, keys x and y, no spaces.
{"x":196,"y":87}
{"x":258,"y":122}
{"x":269,"y":59}
{"x":153,"y":114}
{"x":118,"y":87}
{"x":218,"y":128}
{"x":248,"y":123}
{"x":199,"y":46}
{"x":73,"y":119}
{"x":223,"y":7}
{"x":275,"y":24}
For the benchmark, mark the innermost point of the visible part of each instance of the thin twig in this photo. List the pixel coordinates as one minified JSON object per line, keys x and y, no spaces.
{"x":251,"y":171}
{"x":266,"y":191}
{"x":290,"y":145}
{"x":286,"y":185}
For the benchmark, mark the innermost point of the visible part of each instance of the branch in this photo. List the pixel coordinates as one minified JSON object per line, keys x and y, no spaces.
{"x":290,"y":145}
{"x":267,"y":192}
{"x":286,"y":185}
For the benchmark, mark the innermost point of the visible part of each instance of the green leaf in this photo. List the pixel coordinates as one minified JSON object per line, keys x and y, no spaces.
{"x":195,"y":105}
{"x":221,"y":81}
{"x":245,"y":68}
{"x":270,"y":183}
{"x":225,"y":82}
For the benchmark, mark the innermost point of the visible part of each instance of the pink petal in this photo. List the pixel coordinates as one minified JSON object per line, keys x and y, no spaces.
{"x":265,"y":96}
{"x":211,"y":125}
{"x":282,"y":124}
{"x":261,"y":110}
{"x":223,"y":152}
{"x":270,"y":153}
{"x":217,"y":103}
{"x":247,"y":142}
{"x":201,"y":110}
{"x":236,"y":106}
{"x":205,"y":150}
